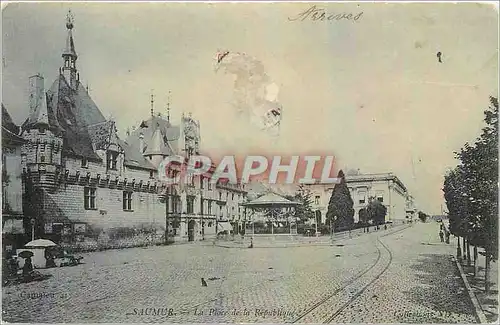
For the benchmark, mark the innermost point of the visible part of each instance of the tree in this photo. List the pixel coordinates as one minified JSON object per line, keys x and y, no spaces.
{"x":422,"y":216}
{"x":304,"y":196}
{"x":363,"y":216}
{"x":340,"y":208}
{"x":471,"y":189}
{"x":376,"y":211}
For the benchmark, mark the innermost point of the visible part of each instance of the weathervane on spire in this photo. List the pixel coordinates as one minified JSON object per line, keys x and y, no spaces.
{"x":152,"y":103}
{"x":69,"y":20}
{"x":168,"y":106}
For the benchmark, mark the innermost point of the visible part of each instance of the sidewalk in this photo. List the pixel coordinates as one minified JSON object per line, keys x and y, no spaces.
{"x":488,"y":302}
{"x":297,"y":240}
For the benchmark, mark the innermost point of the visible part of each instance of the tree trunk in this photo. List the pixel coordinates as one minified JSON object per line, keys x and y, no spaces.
{"x":475,"y":261}
{"x":459,"y":250}
{"x":487,"y":273}
{"x":468,"y":253}
{"x":464,"y":248}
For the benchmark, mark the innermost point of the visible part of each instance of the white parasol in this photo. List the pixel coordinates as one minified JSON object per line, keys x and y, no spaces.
{"x":40,"y":243}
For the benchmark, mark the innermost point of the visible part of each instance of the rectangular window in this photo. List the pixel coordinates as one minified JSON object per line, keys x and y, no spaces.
{"x":316,"y":199}
{"x":202,"y":179}
{"x":201,"y":206}
{"x":127,"y":201}
{"x":85,"y":163}
{"x":151,"y":174}
{"x":380,"y":199}
{"x":176,"y":200}
{"x":190,"y":204}
{"x":112,"y":160}
{"x":232,"y":196}
{"x":89,"y":198}
{"x":362,"y":197}
{"x":174,"y":174}
{"x":209,"y":207}
{"x":209,"y":184}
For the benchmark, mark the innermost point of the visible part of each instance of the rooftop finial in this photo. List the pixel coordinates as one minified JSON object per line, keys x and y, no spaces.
{"x":168,"y":106}
{"x":69,"y":20}
{"x":152,"y":103}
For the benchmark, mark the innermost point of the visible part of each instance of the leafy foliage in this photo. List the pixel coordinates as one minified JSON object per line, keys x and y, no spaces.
{"x":422,"y":216}
{"x":340,"y":207}
{"x":471,"y":188}
{"x":363,"y":216}
{"x":376,"y":211}
{"x":304,"y":211}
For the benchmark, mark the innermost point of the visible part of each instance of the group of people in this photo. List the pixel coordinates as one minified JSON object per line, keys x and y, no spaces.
{"x":11,"y":268}
{"x":444,"y":233}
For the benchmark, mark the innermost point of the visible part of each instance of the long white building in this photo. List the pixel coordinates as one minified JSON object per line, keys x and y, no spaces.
{"x":385,"y":187}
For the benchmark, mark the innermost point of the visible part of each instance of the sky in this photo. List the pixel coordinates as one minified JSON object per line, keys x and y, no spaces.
{"x":370,"y":91}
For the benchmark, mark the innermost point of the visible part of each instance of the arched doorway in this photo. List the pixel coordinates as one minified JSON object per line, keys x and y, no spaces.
{"x":191,"y":226}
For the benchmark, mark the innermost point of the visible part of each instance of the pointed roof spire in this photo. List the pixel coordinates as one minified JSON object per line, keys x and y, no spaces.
{"x":70,"y":44}
{"x":43,"y":115}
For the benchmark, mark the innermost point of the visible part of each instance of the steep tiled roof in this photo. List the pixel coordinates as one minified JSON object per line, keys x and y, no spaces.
{"x":157,"y":145}
{"x":102,"y":134}
{"x":10,"y":130}
{"x":7,"y":122}
{"x":44,"y":114}
{"x":160,"y":137}
{"x":133,"y":157}
{"x":75,"y":112}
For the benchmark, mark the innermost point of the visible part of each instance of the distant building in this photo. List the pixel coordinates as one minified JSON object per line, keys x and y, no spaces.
{"x":386,"y":188}
{"x":13,"y":222}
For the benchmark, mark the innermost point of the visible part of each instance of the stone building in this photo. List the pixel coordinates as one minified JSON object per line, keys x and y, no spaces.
{"x":13,"y":223}
{"x":197,"y":209}
{"x":84,"y":184}
{"x":386,"y":188}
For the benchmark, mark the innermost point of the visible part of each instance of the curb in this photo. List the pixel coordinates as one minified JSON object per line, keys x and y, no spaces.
{"x":336,"y":240}
{"x":477,"y":307}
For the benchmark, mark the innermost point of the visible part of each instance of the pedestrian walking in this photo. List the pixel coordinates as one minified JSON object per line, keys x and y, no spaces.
{"x":441,"y":235}
{"x":447,"y":236}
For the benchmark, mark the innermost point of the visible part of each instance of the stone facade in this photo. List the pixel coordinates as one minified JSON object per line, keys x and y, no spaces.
{"x":387,"y":188}
{"x":86,"y":187}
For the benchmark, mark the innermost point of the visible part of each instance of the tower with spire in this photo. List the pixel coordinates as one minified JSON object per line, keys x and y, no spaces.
{"x":69,"y":55}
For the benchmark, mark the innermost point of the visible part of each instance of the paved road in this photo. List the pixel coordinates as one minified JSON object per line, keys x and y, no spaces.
{"x":407,"y":276}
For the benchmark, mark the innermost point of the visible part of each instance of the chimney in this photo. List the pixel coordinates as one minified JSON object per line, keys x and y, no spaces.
{"x":36,"y":95}
{"x":141,"y":142}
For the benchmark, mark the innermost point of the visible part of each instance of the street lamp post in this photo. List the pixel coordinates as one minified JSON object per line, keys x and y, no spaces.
{"x":32,"y":229}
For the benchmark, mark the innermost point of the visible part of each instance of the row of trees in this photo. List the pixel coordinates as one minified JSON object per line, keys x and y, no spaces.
{"x":471,"y":193}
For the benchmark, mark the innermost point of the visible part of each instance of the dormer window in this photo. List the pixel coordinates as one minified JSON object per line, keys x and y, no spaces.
{"x":112,"y":159}
{"x":85,"y":163}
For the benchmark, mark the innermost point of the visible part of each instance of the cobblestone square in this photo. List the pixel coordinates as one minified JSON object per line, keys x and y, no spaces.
{"x":402,"y":275}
